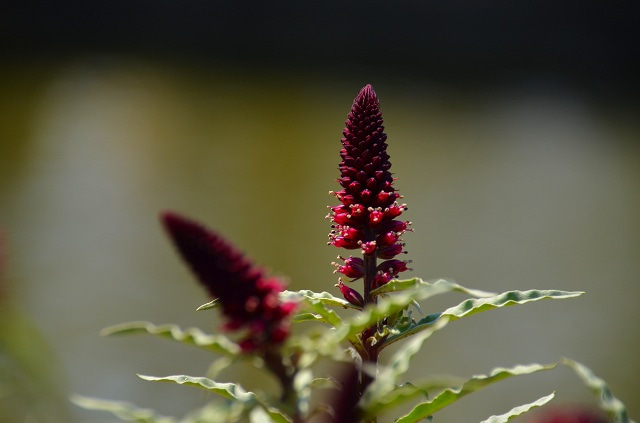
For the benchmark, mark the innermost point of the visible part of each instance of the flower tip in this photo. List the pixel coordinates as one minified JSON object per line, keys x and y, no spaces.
{"x":170,"y":219}
{"x":367,"y":94}
{"x":166,"y":215}
{"x":180,"y":228}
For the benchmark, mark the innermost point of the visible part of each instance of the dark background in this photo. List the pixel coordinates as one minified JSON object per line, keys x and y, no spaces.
{"x":590,"y":45}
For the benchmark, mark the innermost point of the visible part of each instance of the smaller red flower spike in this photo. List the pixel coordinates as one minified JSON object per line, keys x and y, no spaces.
{"x":249,"y":299}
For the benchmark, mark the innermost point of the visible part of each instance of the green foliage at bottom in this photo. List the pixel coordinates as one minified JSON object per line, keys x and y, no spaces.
{"x":294,"y":362}
{"x":451,"y":395}
{"x":231,"y":391}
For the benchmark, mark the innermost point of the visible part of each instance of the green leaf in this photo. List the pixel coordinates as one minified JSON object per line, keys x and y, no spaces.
{"x":326,"y":314}
{"x":370,"y":315}
{"x":405,"y":294}
{"x":192,"y":336}
{"x":516,"y":411}
{"x":215,"y":303}
{"x":406,"y":392}
{"x":320,"y":297}
{"x":316,"y":306}
{"x":478,"y":305}
{"x":440,"y":286}
{"x":123,"y":410}
{"x":609,"y":403}
{"x":229,"y":391}
{"x":451,"y":395}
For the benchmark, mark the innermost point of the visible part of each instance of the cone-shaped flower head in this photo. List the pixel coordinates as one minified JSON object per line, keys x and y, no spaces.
{"x":366,"y":219}
{"x":249,"y":299}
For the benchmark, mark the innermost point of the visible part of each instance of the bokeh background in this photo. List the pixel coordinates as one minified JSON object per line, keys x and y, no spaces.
{"x":513,"y":132}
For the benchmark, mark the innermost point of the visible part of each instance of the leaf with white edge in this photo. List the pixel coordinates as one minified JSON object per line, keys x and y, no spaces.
{"x":442,"y":286}
{"x":230,"y":391}
{"x":316,"y":306}
{"x":608,"y":402}
{"x":327,"y":315}
{"x":451,"y":395}
{"x":379,"y":390}
{"x":320,"y":297}
{"x":123,"y":410}
{"x":390,"y":305}
{"x":369,"y":316}
{"x":193,"y":336}
{"x":407,"y":392}
{"x":478,"y":305}
{"x":517,"y":411}
{"x":210,"y":305}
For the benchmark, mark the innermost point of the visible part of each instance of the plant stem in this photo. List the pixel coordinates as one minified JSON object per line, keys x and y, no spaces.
{"x":366,"y":379}
{"x":273,"y":361}
{"x":369,"y":277}
{"x":370,"y":264}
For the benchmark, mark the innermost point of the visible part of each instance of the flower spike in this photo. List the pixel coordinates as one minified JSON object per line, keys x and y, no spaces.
{"x":249,"y":298}
{"x":366,"y":219}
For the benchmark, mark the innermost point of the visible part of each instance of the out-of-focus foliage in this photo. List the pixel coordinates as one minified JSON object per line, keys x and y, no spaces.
{"x":387,"y":391}
{"x":31,"y":386}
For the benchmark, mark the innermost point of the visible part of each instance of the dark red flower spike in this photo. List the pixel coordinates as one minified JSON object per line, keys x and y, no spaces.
{"x":249,"y":298}
{"x":366,"y":219}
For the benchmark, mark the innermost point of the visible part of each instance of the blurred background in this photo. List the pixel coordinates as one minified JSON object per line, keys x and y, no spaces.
{"x":513,"y":131}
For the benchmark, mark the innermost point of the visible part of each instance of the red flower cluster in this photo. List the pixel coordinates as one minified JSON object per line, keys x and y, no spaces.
{"x":249,"y":299}
{"x":366,"y":219}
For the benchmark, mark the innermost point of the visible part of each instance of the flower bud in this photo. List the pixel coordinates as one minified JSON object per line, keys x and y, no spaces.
{"x":350,"y":294}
